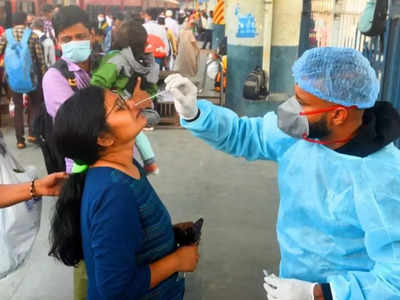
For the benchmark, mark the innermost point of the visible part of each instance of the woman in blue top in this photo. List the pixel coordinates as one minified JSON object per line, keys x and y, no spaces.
{"x":110,"y":215}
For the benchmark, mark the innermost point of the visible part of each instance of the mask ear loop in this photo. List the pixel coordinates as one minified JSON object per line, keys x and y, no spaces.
{"x":323,"y":110}
{"x":328,"y":109}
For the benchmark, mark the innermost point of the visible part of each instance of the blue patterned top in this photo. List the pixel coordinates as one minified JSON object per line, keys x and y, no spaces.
{"x":125,"y":227}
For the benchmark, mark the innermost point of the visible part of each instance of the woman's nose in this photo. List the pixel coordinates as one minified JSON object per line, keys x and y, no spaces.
{"x":131,"y":104}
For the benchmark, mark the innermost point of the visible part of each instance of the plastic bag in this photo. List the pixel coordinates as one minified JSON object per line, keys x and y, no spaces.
{"x":19,"y":224}
{"x":212,"y":69}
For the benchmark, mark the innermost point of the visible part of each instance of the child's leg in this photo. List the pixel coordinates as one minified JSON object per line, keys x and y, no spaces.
{"x":144,"y":147}
{"x":146,"y":152}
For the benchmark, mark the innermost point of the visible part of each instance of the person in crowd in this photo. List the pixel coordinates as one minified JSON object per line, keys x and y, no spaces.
{"x":119,"y":71}
{"x":143,"y":15}
{"x":203,"y":23}
{"x":171,"y":23}
{"x":187,"y":61}
{"x":109,"y":214}
{"x":49,"y":185}
{"x":56,"y":9}
{"x":71,"y":26}
{"x":338,"y":226}
{"x":173,"y":45}
{"x":135,"y":16}
{"x":110,"y":19}
{"x":102,"y":23}
{"x":71,"y":73}
{"x":38,"y":69}
{"x":29,"y":20}
{"x":208,"y":30}
{"x":47,"y":14}
{"x":47,"y":44}
{"x":97,"y":39}
{"x":181,"y":19}
{"x":195,"y":19}
{"x":118,"y":18}
{"x":158,"y":37}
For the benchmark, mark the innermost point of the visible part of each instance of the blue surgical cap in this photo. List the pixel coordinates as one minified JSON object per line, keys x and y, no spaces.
{"x":339,"y":75}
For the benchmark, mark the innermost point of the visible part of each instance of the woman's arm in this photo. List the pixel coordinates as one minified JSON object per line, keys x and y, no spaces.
{"x":184,"y":259}
{"x":49,"y":185}
{"x":116,"y":235}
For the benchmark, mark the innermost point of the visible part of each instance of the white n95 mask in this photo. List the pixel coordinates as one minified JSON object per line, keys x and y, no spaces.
{"x":290,"y":121}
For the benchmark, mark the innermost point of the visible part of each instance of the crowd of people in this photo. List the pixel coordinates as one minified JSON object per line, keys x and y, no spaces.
{"x":337,"y":223}
{"x":172,"y":38}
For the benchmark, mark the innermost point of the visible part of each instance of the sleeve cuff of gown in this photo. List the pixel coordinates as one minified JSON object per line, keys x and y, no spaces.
{"x":205,"y":108}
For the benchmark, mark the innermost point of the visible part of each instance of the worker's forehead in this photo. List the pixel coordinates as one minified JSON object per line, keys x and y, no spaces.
{"x":307,"y":97}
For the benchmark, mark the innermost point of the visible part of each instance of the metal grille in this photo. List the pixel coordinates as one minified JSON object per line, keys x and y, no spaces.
{"x":167,"y":113}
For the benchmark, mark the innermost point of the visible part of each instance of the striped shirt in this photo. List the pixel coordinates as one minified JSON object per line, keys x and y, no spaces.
{"x":34,"y":45}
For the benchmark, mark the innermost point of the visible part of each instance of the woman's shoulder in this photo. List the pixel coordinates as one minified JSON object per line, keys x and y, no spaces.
{"x":106,"y":176}
{"x":104,"y":184}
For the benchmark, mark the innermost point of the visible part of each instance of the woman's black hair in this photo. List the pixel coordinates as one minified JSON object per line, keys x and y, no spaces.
{"x":131,"y":34}
{"x":78,"y":123}
{"x":68,"y":16}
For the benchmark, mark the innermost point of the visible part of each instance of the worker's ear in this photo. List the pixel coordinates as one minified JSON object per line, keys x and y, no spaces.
{"x":339,"y":116}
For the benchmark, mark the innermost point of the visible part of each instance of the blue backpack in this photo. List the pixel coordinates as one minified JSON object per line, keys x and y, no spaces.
{"x":18,"y":63}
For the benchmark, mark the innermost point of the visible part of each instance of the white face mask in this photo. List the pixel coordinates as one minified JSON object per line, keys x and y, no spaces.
{"x":76,"y":51}
{"x":290,"y":121}
{"x":100,"y":19}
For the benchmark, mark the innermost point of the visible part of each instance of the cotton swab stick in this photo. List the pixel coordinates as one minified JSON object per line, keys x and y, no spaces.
{"x":154,"y":96}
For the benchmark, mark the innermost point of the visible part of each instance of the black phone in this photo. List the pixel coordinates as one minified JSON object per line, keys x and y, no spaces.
{"x":190,"y":235}
{"x":197,"y":226}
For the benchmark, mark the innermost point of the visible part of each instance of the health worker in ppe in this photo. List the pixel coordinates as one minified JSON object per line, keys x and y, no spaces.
{"x":338,"y":223}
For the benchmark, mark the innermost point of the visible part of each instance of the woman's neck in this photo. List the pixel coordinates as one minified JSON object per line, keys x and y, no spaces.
{"x":119,"y":158}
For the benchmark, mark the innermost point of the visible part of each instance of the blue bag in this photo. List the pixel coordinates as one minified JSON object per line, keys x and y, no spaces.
{"x":18,"y":63}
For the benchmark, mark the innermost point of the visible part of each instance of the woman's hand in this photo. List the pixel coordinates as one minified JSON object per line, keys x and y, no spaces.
{"x":187,"y":258}
{"x":50,"y":185}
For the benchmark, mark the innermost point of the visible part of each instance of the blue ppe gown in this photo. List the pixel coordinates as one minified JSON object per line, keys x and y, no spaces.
{"x":339,"y":215}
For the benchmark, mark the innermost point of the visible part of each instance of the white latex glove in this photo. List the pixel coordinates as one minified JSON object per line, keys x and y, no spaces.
{"x":185,"y":94}
{"x":288,"y":289}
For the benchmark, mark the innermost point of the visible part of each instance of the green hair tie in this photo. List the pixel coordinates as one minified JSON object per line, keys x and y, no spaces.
{"x":77,"y":168}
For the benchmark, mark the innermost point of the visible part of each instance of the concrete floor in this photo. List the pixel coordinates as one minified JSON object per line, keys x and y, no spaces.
{"x":238,"y":200}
